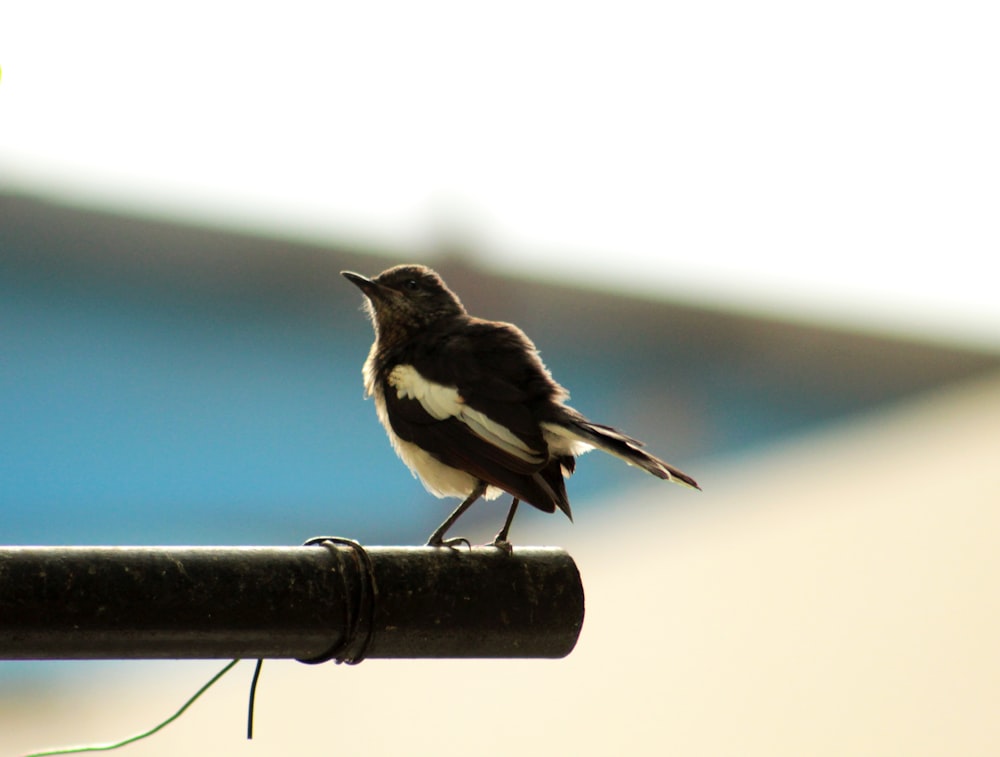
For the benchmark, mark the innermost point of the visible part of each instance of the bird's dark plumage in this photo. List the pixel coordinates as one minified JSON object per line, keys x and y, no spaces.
{"x":467,"y":402}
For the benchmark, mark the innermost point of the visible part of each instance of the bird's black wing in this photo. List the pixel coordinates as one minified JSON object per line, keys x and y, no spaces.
{"x":533,"y":479}
{"x":497,"y":371}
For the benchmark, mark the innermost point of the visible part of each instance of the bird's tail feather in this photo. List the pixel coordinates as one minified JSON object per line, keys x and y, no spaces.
{"x":614,"y":442}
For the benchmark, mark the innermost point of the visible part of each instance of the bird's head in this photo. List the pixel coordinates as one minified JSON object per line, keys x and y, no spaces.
{"x":405,"y":299}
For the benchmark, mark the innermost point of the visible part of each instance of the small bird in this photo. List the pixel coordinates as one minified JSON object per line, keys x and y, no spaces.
{"x":469,"y":406}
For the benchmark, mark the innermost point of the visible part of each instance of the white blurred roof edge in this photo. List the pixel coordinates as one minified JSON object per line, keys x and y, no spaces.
{"x":868,"y":306}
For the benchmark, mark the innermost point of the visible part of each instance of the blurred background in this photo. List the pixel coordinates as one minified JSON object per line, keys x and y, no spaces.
{"x":761,"y":238}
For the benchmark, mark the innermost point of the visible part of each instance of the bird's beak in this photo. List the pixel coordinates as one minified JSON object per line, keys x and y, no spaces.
{"x":368,"y":287}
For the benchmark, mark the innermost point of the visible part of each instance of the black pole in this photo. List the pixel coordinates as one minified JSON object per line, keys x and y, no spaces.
{"x":312,"y":603}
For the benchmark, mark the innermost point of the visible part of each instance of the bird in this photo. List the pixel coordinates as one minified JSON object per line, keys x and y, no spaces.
{"x":469,"y":406}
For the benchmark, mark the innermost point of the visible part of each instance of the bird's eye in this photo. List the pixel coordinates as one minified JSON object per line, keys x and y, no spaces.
{"x":411,"y":285}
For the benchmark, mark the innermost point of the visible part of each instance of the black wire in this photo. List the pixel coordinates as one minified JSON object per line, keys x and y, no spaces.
{"x":253,"y":697}
{"x":344,"y":651}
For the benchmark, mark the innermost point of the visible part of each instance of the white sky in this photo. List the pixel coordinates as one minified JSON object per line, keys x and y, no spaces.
{"x":824,"y":159}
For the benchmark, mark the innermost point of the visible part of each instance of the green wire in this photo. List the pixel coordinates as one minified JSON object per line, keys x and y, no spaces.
{"x":150,"y":732}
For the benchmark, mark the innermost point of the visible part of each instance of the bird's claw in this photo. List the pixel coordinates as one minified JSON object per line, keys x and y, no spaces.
{"x":503,"y":545}
{"x":452,"y":543}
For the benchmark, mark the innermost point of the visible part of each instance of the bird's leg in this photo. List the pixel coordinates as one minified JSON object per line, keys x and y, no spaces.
{"x":500,"y":540}
{"x":437,"y":538}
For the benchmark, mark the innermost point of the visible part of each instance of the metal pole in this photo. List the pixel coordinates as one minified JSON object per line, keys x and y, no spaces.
{"x":310,"y":603}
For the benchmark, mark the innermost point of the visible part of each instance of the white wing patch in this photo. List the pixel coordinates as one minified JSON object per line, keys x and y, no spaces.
{"x":438,"y":400}
{"x":443,"y":402}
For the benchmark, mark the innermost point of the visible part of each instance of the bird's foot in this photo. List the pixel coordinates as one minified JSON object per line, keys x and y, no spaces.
{"x":500,"y":540}
{"x":503,"y":545}
{"x":452,"y":543}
